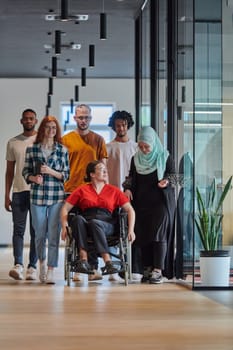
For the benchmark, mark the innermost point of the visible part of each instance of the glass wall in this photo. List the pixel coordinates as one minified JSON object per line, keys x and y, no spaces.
{"x":145,"y":111}
{"x":202,"y":121}
{"x":185,"y":139}
{"x":212,"y":157}
{"x":153,"y":66}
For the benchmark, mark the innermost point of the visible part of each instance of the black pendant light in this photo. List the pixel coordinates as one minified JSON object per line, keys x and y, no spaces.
{"x":50,"y":86}
{"x":71,"y":105}
{"x":76,"y":93}
{"x":64,"y":10}
{"x":57,"y":42}
{"x":54,"y":66}
{"x":103,"y":26}
{"x":91,"y":55}
{"x":83,"y":76}
{"x":49,"y":101}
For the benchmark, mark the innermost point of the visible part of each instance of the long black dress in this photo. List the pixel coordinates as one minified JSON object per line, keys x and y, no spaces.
{"x":155,"y":211}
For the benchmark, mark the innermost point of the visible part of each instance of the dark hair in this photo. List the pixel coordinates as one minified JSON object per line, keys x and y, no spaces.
{"x":91,"y":169}
{"x":28,"y":110}
{"x":41,"y":129}
{"x":121,"y":115}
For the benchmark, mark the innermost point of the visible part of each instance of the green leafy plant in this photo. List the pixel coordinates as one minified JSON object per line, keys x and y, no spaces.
{"x":209,"y":215}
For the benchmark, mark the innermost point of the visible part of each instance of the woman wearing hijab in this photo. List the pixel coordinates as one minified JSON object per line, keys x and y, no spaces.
{"x":153,"y":199}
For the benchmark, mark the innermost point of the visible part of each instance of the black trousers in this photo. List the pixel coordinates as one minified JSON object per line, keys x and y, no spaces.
{"x":97,"y":224}
{"x":154,"y":255}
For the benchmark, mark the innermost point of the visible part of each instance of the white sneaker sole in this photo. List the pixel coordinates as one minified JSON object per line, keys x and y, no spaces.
{"x":30,"y":278}
{"x":49,"y":282}
{"x":113,"y":278}
{"x":94,"y":278}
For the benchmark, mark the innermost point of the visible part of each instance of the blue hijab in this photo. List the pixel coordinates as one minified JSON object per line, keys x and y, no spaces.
{"x":156,"y":159}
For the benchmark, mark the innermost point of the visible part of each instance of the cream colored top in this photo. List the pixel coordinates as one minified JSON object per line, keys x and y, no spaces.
{"x":119,"y":158}
{"x":15,"y":152}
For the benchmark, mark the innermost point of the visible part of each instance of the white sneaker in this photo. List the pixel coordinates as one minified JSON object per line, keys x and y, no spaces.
{"x":77,"y":277}
{"x":95,"y":277}
{"x":136,"y":277}
{"x":16,"y":272}
{"x":115,"y":278}
{"x":31,"y":274}
{"x":42,"y":275}
{"x":50,"y":277}
{"x":156,"y":277}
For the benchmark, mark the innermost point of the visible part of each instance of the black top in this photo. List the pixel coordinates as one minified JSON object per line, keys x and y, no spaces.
{"x":155,"y":210}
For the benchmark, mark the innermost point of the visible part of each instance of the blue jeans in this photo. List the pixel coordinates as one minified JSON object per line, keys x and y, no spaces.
{"x":46,"y":222}
{"x":20,"y":207}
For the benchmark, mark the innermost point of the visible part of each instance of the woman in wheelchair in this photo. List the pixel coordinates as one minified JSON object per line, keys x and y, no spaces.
{"x":97,"y":201}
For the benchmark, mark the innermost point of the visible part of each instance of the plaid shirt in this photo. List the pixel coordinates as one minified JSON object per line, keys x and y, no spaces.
{"x":52,"y":189}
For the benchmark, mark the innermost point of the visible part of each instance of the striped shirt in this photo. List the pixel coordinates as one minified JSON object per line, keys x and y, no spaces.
{"x":52,"y":189}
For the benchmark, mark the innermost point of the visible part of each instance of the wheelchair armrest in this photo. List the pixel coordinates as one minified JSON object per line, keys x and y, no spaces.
{"x":72,"y":213}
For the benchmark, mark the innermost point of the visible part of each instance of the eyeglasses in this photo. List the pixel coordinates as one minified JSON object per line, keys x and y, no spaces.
{"x":50,"y":127}
{"x":87,"y":117}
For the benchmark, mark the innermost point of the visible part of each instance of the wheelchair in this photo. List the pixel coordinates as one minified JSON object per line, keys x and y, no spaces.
{"x":121,"y":261}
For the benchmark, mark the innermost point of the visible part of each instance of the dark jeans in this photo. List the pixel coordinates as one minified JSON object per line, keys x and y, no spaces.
{"x":97,"y":228}
{"x":20,"y":208}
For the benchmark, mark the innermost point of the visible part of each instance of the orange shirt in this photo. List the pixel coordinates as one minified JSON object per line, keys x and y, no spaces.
{"x":82,"y":150}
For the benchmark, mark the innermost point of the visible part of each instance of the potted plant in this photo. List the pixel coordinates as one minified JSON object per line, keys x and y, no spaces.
{"x":208,"y":221}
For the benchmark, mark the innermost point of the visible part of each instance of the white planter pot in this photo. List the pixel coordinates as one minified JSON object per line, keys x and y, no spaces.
{"x":215,"y":271}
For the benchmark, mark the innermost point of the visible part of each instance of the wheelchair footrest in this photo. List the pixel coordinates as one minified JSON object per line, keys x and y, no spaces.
{"x":82,"y":266}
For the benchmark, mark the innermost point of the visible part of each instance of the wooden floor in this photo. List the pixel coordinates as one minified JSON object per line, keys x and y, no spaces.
{"x":104,"y":315}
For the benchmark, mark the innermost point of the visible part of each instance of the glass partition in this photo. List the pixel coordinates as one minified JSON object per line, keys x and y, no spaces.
{"x":212,"y":129}
{"x":185,"y":130}
{"x":203,"y":93}
{"x":145,"y":114}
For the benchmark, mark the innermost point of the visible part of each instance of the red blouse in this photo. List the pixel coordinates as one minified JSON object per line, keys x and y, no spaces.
{"x":86,"y":197}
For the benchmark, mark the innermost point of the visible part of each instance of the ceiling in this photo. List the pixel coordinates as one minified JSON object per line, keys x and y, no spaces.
{"x":27,"y":39}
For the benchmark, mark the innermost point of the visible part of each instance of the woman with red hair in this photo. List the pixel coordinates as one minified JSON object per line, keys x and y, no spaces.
{"x":46,"y":169}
